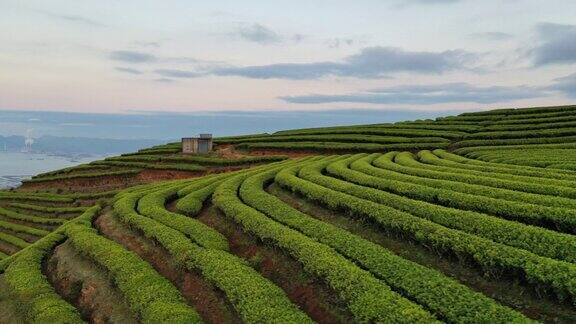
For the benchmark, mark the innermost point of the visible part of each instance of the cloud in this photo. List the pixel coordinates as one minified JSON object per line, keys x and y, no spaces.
{"x":566,"y":84}
{"x":290,"y":71}
{"x":81,"y":20}
{"x":426,"y":95}
{"x":132,"y":57}
{"x":128,"y":70}
{"x":171,"y":73}
{"x":258,"y":34}
{"x":147,"y":44}
{"x":493,"y":36}
{"x":164,"y":80}
{"x":405,"y":3}
{"x":338,"y":42}
{"x":557,"y":44}
{"x":430,"y":1}
{"x":72,"y":18}
{"x":371,"y":62}
{"x":126,"y":56}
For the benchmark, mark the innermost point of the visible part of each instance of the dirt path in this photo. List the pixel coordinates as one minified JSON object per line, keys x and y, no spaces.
{"x":9,"y":313}
{"x":208,"y":301}
{"x":501,"y":289}
{"x":8,"y":248}
{"x":82,"y":283}
{"x":228,"y":151}
{"x":25,"y":236}
{"x":311,"y":295}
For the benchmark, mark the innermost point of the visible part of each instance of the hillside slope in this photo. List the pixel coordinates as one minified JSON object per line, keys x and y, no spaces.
{"x":470,"y":218}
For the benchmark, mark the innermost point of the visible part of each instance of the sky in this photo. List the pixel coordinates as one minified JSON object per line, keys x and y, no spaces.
{"x":182,"y":56}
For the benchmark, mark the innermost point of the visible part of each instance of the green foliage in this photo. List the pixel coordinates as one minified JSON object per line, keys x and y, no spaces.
{"x":455,"y":302}
{"x":41,"y":197}
{"x":153,"y":206}
{"x":558,"y":276}
{"x":535,"y":239}
{"x":348,"y":147}
{"x":82,"y":167}
{"x":148,"y":294}
{"x":548,"y":211}
{"x":22,"y":229}
{"x":255,"y":298}
{"x":36,"y":297}
{"x":383,"y":131}
{"x":344,"y":138}
{"x":29,"y":218}
{"x":14,"y":240}
{"x":144,"y":165}
{"x":122,"y":173}
{"x":512,"y":182}
{"x":49,"y":209}
{"x":449,"y":159}
{"x":368,"y":299}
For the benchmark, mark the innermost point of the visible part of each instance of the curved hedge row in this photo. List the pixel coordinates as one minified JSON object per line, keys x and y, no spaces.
{"x":22,"y":229}
{"x":534,"y":239}
{"x":523,"y":111}
{"x":540,"y":124}
{"x":449,"y":159}
{"x":376,"y":131}
{"x":455,"y":302}
{"x":431,"y":161}
{"x":37,"y":299}
{"x":29,"y":218}
{"x":418,"y":175}
{"x":523,"y":134}
{"x":558,"y":276}
{"x":256,"y":299}
{"x":71,"y":169}
{"x":123,"y":173}
{"x":203,"y":160}
{"x":368,"y":299}
{"x":516,"y":141}
{"x":534,"y":120}
{"x":21,"y":196}
{"x":512,"y":182}
{"x":519,"y":206}
{"x":148,"y":294}
{"x":144,"y":165}
{"x":335,"y":146}
{"x":192,"y":202}
{"x":13,"y":240}
{"x":153,"y":206}
{"x":49,"y":209}
{"x":343,"y":138}
{"x":468,"y":150}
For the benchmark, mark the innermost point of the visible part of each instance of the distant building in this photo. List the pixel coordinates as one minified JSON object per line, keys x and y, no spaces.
{"x":195,"y":145}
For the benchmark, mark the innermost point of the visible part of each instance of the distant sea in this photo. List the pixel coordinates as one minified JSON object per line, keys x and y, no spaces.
{"x":17,"y":166}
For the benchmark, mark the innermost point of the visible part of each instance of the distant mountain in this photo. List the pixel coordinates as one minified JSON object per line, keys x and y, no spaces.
{"x":166,"y":126}
{"x":76,"y":145}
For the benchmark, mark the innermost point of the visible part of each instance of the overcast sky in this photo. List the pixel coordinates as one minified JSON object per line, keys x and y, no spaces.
{"x":185,"y":56}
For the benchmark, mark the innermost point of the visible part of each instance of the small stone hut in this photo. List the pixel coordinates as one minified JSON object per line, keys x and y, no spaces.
{"x":197,"y":145}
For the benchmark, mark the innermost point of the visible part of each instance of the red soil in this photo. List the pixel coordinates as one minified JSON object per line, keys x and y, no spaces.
{"x":82,"y":283}
{"x":209,"y":302}
{"x":228,"y":151}
{"x":311,"y":295}
{"x":104,"y":183}
{"x":96,"y":183}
